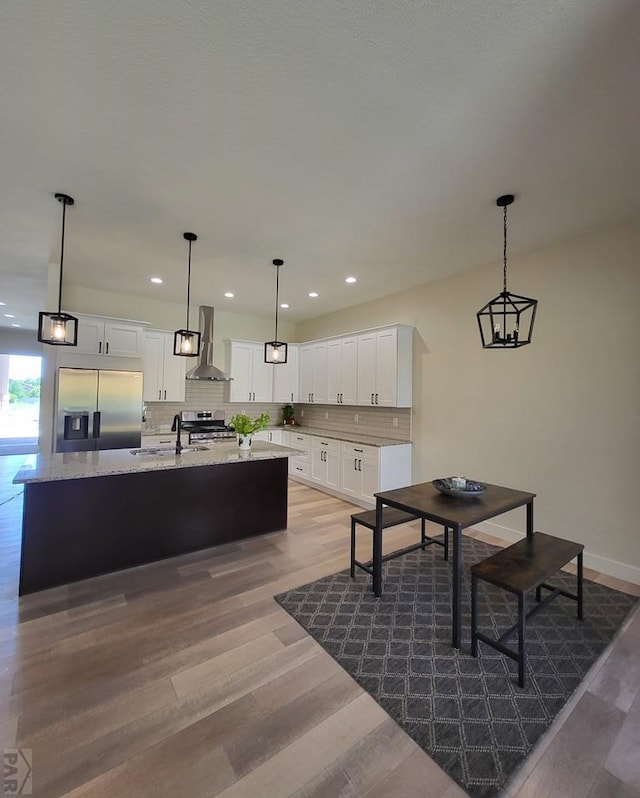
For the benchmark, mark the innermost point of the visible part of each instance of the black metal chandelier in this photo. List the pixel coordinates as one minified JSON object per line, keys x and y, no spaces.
{"x":186,"y":343}
{"x":55,"y":327}
{"x":276,"y":351}
{"x":506,"y":322}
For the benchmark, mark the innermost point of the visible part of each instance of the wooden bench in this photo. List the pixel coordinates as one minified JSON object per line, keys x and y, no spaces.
{"x":390,"y":517}
{"x":518,"y":569}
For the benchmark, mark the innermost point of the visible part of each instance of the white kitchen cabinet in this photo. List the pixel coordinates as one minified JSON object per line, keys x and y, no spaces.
{"x":313,"y":373}
{"x":164,"y":372}
{"x":251,"y":377}
{"x":350,"y":470}
{"x":158,"y":439}
{"x":384,"y":367}
{"x":109,"y":337}
{"x":342,"y":364}
{"x":285,"y":377}
{"x":325,"y":462}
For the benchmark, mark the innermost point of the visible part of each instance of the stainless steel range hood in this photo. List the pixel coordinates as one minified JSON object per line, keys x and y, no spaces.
{"x":205,"y":370}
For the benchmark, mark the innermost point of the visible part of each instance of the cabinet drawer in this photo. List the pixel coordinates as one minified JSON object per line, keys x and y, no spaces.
{"x":328,"y":444}
{"x":360,"y":450}
{"x":299,"y":441}
{"x":299,"y":465}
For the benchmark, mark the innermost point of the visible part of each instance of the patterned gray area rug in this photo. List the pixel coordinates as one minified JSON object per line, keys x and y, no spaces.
{"x":468,"y":714}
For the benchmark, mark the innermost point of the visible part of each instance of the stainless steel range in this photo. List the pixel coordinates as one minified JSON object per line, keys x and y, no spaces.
{"x":206,"y":425}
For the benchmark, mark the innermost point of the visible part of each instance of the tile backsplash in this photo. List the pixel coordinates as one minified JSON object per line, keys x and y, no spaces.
{"x":206,"y":395}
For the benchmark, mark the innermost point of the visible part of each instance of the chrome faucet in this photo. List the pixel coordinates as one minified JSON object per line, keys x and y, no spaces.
{"x":176,"y":427}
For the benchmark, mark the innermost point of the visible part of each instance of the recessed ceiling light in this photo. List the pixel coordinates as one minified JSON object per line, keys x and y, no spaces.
{"x":10,"y":315}
{"x":313,"y":294}
{"x":16,"y":325}
{"x":284,"y":305}
{"x":157,"y":280}
{"x":229,"y":294}
{"x":350,"y":279}
{"x":3,"y":303}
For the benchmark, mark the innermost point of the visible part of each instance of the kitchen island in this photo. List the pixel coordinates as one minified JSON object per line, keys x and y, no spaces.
{"x":89,"y":513}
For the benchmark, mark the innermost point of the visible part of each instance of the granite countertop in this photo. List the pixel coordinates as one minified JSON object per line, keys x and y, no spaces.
{"x":79,"y":465}
{"x":351,"y":437}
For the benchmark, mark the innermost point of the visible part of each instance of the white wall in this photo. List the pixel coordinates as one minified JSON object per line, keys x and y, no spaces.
{"x":19,"y":342}
{"x":560,"y":417}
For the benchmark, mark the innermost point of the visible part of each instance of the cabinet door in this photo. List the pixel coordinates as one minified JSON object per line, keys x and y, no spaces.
{"x":306,"y":374}
{"x":122,"y":340}
{"x":351,"y":477}
{"x":386,"y":368}
{"x":261,"y":376}
{"x":318,"y":466}
{"x":319,"y":391}
{"x":152,"y":366}
{"x":366,"y":384}
{"x":285,"y":377}
{"x":332,"y":465}
{"x":349,"y":378}
{"x":369,"y":478}
{"x":240,"y":361}
{"x":334,"y":371}
{"x":90,"y":336}
{"x":175,"y":369}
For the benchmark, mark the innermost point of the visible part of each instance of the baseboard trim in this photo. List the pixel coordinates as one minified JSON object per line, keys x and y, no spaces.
{"x":628,"y":573}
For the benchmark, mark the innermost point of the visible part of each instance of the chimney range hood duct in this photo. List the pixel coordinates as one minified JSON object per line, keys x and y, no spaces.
{"x":205,"y":370}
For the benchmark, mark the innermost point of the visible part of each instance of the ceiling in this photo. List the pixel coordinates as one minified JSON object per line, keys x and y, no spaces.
{"x":362,"y":138}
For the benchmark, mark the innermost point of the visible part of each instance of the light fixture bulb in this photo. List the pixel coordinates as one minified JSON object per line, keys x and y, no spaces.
{"x":58,"y":331}
{"x":275,"y":354}
{"x":186,"y":345}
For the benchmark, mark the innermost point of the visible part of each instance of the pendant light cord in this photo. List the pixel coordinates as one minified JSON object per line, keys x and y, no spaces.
{"x":188,"y":284}
{"x":504,"y":251}
{"x":277,"y":292}
{"x":64,"y":213}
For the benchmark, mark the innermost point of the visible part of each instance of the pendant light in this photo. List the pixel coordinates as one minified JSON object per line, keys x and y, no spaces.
{"x":506,"y":322}
{"x":58,"y":328}
{"x":186,"y":343}
{"x":275,"y":351}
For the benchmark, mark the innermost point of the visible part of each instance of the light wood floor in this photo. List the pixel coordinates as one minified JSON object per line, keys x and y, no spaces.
{"x":185,"y":678}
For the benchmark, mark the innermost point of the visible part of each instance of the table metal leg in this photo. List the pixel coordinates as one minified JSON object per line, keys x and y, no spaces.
{"x":530,"y":518}
{"x":377,"y":551}
{"x":457,"y":585}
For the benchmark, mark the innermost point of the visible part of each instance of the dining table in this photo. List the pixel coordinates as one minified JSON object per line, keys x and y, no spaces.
{"x":455,"y":513}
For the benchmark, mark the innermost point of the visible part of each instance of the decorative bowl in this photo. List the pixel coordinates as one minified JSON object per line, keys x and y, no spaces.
{"x":451,"y":487}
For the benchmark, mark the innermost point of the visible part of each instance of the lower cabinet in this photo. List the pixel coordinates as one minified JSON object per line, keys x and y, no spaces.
{"x":350,"y":470}
{"x":325,"y":462}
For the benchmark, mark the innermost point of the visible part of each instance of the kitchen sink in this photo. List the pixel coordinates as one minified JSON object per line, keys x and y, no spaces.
{"x":167,"y":451}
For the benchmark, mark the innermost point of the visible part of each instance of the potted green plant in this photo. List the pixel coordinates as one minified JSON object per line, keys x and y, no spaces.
{"x":245,"y":427}
{"x":287,"y":415}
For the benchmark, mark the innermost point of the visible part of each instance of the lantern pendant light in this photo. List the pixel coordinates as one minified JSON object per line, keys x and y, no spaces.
{"x":186,"y":343}
{"x":506,"y":322}
{"x":276,"y":351}
{"x":58,"y":328}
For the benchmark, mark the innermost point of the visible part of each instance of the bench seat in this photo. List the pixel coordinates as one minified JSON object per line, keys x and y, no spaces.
{"x":520,"y":568}
{"x":390,"y":517}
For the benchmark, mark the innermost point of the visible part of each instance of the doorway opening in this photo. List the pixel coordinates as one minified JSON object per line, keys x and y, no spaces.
{"x":20,"y":377}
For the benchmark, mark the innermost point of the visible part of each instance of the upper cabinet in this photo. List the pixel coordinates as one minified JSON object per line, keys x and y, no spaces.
{"x":285,"y":377}
{"x":164,"y":372}
{"x":384,"y":367}
{"x":251,"y":377}
{"x":313,"y":372}
{"x":342,"y":365}
{"x":109,"y":337}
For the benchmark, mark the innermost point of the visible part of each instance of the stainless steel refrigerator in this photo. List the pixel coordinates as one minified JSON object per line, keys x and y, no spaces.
{"x":98,"y":409}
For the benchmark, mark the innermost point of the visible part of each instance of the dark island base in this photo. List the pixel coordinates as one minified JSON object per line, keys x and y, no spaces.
{"x":78,"y":528}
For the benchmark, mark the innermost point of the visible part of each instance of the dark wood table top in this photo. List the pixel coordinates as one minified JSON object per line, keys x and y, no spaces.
{"x":427,"y":501}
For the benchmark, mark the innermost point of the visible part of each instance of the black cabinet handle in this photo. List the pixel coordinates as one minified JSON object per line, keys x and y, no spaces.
{"x":376,"y":398}
{"x":107,"y":349}
{"x":359,"y":465}
{"x":99,"y":347}
{"x":358,"y":450}
{"x":355,"y":463}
